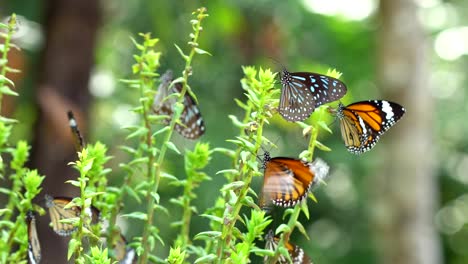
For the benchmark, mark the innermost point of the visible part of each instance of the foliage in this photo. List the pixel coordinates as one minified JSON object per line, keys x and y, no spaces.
{"x":236,"y":223}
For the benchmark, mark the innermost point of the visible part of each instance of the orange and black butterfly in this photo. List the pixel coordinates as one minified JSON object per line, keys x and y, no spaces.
{"x":34,"y":246}
{"x":362,"y":123}
{"x":192,"y":125}
{"x":58,"y":210}
{"x":287,"y":181}
{"x":296,"y":253}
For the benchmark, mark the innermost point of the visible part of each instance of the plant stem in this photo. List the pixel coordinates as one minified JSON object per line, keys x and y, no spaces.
{"x":155,"y":175}
{"x":297,"y":209}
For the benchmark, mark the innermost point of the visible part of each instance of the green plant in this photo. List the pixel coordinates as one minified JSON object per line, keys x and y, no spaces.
{"x":236,"y":221}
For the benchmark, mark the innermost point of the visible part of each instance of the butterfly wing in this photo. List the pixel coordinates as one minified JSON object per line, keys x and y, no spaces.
{"x":34,"y":246}
{"x":296,"y":102}
{"x":362,"y":123}
{"x":58,"y":212}
{"x":304,"y":91}
{"x":286,"y":181}
{"x":296,"y":253}
{"x":77,"y":138}
{"x":191,"y":124}
{"x":162,"y":104}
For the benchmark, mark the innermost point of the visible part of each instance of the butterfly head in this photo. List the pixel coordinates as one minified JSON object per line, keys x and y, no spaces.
{"x":285,"y":77}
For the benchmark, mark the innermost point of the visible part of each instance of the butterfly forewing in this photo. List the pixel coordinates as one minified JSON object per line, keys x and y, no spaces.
{"x":304,"y":91}
{"x":362,"y":123}
{"x":191,"y":122}
{"x":287,"y":181}
{"x":34,"y":246}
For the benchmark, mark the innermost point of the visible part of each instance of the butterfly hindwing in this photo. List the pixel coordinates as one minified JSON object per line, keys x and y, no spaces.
{"x":296,"y":253}
{"x":362,"y":123}
{"x":304,"y":91}
{"x":191,"y":124}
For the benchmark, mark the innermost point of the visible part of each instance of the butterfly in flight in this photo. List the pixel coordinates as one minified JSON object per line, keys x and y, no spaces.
{"x":362,"y":123}
{"x":34,"y":246}
{"x":58,"y":212}
{"x":296,"y":253}
{"x":287,"y":181}
{"x":304,"y":91}
{"x":192,"y":125}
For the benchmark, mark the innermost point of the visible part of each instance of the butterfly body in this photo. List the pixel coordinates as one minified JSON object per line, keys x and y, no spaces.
{"x":192,"y":125}
{"x":287,"y":181}
{"x":297,"y":254}
{"x":362,"y":123}
{"x":304,"y":91}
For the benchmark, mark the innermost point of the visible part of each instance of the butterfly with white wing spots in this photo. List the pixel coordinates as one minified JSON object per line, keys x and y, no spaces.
{"x":362,"y":123}
{"x":192,"y":125}
{"x":304,"y":91}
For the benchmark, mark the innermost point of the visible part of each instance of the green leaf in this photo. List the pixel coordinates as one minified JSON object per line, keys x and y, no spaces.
{"x":168,"y":176}
{"x":185,"y":57}
{"x":136,"y":215}
{"x":172,"y":147}
{"x":141,"y":131}
{"x":233,"y":186}
{"x":162,"y":130}
{"x":6,"y":90}
{"x":201,"y":51}
{"x":325,"y":127}
{"x":5,"y":79}
{"x":233,"y":171}
{"x":321,"y":146}
{"x":207,"y":235}
{"x":236,"y":122}
{"x":213,"y":218}
{"x":8,"y":120}
{"x":72,"y":246}
{"x":282,"y":229}
{"x":301,"y":229}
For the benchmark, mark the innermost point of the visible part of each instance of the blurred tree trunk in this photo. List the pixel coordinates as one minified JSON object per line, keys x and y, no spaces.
{"x":64,"y":70}
{"x":406,"y":194}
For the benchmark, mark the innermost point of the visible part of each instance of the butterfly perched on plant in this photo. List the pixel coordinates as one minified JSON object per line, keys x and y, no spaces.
{"x":79,"y":141}
{"x":192,"y":125}
{"x":297,"y":254}
{"x":59,"y":209}
{"x":304,"y":91}
{"x":362,"y":123}
{"x":287,"y":181}
{"x":34,"y":246}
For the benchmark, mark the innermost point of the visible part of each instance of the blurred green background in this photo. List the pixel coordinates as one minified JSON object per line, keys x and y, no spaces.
{"x":306,"y":35}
